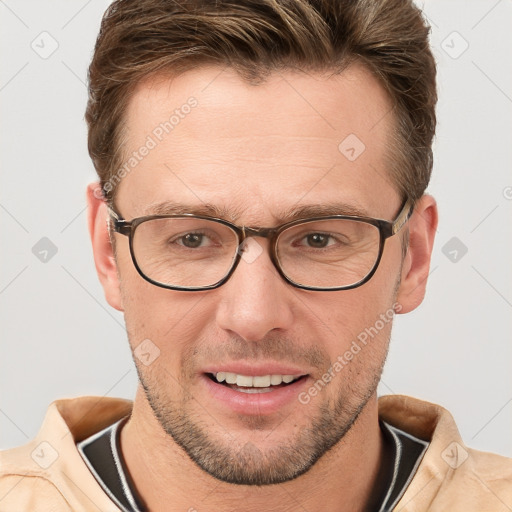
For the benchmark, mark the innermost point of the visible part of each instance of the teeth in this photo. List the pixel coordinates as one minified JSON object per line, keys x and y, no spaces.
{"x":275,"y":380}
{"x":242,"y":380}
{"x":259,"y":381}
{"x":255,"y":390}
{"x":231,"y":378}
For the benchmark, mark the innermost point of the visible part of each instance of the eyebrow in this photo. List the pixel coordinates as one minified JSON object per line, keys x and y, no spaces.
{"x":233,"y":214}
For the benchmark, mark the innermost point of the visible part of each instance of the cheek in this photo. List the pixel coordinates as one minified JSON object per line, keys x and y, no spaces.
{"x":357,"y":362}
{"x":173,"y":321}
{"x":356,"y":327}
{"x":343,"y":315}
{"x":148,"y":308}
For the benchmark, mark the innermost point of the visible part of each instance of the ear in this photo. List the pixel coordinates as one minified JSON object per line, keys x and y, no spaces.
{"x":106,"y":267}
{"x":422,"y":228}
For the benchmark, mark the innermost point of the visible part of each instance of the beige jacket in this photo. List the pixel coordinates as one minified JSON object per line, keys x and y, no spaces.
{"x":48,"y":474}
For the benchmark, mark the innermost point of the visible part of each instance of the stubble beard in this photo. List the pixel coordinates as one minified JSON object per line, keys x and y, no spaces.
{"x":244,"y":463}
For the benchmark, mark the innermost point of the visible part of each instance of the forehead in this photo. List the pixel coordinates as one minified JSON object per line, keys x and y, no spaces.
{"x":208,"y":137}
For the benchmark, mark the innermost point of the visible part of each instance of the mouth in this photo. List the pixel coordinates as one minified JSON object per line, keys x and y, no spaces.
{"x":254,"y":383}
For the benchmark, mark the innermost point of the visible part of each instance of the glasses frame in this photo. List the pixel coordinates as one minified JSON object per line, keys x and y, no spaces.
{"x":386,"y":230}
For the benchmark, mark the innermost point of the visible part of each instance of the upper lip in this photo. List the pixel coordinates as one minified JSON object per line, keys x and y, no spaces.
{"x":253,"y":370}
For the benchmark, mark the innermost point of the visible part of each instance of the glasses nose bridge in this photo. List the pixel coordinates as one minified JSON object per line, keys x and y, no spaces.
{"x":248,"y":231}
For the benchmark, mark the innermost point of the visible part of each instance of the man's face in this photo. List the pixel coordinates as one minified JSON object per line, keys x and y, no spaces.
{"x":257,"y":151}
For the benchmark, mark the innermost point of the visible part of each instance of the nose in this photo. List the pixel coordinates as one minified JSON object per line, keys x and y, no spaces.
{"x":256,"y":299}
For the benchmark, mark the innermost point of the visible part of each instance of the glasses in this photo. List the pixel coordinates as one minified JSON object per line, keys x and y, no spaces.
{"x":194,"y":252}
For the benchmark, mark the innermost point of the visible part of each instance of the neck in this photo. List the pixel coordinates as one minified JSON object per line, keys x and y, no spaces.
{"x":346,"y":478}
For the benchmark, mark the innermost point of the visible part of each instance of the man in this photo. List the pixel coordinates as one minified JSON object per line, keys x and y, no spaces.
{"x":260,"y":218}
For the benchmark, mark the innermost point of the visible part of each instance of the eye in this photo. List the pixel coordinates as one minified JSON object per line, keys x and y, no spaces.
{"x":191,"y":240}
{"x":318,"y":240}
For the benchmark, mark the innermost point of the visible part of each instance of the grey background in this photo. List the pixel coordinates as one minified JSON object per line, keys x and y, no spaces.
{"x":59,"y":338}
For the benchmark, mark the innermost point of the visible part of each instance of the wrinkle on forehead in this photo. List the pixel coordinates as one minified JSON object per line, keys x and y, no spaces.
{"x":254,"y":152}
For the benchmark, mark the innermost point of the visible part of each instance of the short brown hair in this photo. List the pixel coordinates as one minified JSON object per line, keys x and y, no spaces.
{"x":142,"y":38}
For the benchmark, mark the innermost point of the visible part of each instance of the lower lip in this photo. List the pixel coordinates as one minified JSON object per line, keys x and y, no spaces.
{"x":267,"y":402}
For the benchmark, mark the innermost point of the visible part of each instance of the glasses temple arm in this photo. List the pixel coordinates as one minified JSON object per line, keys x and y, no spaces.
{"x":403,"y":216}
